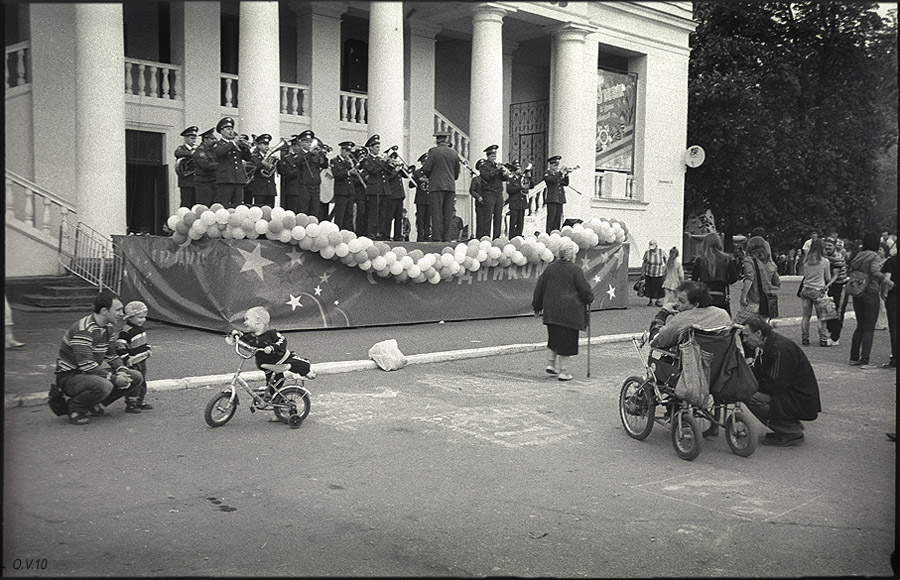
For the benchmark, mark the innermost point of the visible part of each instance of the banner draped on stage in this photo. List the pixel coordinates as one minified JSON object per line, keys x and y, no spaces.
{"x":209,"y":284}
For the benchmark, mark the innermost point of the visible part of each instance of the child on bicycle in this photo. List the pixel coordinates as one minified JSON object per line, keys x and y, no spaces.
{"x":273,"y":345}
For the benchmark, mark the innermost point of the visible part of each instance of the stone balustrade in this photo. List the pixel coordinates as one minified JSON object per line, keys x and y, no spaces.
{"x":354,"y":108}
{"x":146,"y":78}
{"x":18,"y":65}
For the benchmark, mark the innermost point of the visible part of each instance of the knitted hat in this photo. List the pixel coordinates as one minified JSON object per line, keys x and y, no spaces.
{"x":135,"y":308}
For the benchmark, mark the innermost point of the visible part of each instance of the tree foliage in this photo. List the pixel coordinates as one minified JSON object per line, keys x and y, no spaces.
{"x":792,"y":103}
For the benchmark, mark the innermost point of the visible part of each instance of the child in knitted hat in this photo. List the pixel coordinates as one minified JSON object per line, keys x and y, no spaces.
{"x":132,"y":345}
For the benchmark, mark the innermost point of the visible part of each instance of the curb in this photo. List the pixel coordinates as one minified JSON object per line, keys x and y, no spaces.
{"x":333,"y":368}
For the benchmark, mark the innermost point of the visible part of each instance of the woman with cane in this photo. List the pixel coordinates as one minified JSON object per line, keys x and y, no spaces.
{"x":562,"y":295}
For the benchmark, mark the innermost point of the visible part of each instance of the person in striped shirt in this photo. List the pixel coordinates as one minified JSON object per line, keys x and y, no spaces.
{"x":132,"y":345}
{"x":85,"y":347}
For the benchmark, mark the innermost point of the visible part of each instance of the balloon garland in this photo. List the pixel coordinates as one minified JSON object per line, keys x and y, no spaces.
{"x":333,"y":243}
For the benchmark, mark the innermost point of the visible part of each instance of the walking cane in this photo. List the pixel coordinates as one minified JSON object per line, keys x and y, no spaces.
{"x":589,"y":341}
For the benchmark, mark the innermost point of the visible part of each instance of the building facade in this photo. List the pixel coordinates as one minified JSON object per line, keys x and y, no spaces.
{"x":97,"y":95}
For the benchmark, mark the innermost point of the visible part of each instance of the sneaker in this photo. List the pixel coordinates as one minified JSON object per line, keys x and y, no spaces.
{"x":827,"y":342}
{"x":551,"y":370}
{"x":866,"y":367}
{"x":79,"y":418}
{"x":564,"y":377}
{"x":132,"y":408}
{"x":97,"y":411}
{"x":311,"y":374}
{"x":783,"y":439}
{"x":855,"y":363}
{"x":835,"y":342}
{"x":144,"y":406}
{"x":805,"y":342}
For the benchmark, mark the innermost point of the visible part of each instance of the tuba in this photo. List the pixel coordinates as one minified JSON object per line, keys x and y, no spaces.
{"x":268,"y":164}
{"x":184,"y":167}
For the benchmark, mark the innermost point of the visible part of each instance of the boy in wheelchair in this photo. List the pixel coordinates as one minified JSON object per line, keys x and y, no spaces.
{"x":273,"y":345}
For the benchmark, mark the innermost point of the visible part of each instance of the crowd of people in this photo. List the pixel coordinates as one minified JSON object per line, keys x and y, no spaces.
{"x":370,"y":185}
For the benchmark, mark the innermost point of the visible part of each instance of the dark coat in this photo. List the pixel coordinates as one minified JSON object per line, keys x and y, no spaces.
{"x":260,"y":185}
{"x":205,"y":164}
{"x":311,"y":165}
{"x":230,"y":157}
{"x":442,"y":168}
{"x":290,"y":174}
{"x":517,"y":190}
{"x":785,"y":374}
{"x":421,"y":182}
{"x":555,"y":181}
{"x":182,"y":151}
{"x":492,"y":178}
{"x":561,"y":293}
{"x":343,"y":180}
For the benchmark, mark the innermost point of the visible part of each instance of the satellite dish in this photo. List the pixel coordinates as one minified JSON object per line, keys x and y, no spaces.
{"x":694,"y":156}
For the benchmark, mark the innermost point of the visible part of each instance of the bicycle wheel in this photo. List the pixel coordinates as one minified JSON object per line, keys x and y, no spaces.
{"x":686,"y":435}
{"x":295,"y":397}
{"x":219,"y":409}
{"x":740,"y":435}
{"x":637,"y":407}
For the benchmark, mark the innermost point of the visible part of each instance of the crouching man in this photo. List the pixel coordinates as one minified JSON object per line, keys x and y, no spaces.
{"x":87,"y":344}
{"x":788,"y":390}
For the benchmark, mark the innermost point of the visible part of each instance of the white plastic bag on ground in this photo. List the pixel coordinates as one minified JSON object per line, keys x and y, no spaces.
{"x":387,"y":355}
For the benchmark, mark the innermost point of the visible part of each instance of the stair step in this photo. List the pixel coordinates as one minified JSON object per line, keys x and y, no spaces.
{"x":70,"y":290}
{"x":44,"y":301}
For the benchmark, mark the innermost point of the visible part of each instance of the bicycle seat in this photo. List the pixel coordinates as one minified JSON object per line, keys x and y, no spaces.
{"x":275,"y":368}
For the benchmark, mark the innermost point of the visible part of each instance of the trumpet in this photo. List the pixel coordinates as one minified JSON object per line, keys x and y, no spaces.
{"x":508,"y":170}
{"x":316,"y":146}
{"x":568,"y":170}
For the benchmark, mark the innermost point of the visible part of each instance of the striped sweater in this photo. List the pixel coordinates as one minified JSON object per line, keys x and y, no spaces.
{"x":85,"y":346}
{"x":132,"y":346}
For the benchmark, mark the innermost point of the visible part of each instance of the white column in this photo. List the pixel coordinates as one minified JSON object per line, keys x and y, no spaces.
{"x":319,"y":65}
{"x":259,"y":71}
{"x":200,"y":54}
{"x":509,"y":48}
{"x":567,"y":115}
{"x":386,"y":73}
{"x":100,"y":117}
{"x":589,"y":92}
{"x":486,"y":96}
{"x":421,"y":87}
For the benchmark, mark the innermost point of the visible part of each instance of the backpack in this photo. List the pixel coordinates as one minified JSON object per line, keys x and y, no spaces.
{"x":859,"y":280}
{"x":57,"y":400}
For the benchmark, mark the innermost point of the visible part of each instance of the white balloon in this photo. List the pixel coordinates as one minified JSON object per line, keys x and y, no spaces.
{"x":313,"y":230}
{"x":284,"y":236}
{"x":396,"y":268}
{"x":298,"y":233}
{"x":173,"y":221}
{"x":414,"y":271}
{"x":494,"y":252}
{"x":255,"y":213}
{"x":379,"y":263}
{"x":327,"y":252}
{"x":182,"y":210}
{"x":407,"y":262}
{"x":482,"y":255}
{"x":341,"y":250}
{"x":261,"y":226}
{"x":222,"y":216}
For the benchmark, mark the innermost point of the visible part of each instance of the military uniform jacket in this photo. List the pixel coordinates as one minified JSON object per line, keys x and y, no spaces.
{"x":517,"y":190}
{"x":260,"y":185}
{"x":290,"y":173}
{"x":343,"y":180}
{"x":182,"y":151}
{"x":421,"y":183}
{"x":492,"y":178}
{"x":555,"y":181}
{"x":442,"y":168}
{"x":377,"y":173}
{"x":231,"y":169}
{"x":205,"y":165}
{"x":311,"y":166}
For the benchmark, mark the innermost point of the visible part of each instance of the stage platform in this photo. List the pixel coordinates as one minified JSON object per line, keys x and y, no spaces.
{"x":210,"y":283}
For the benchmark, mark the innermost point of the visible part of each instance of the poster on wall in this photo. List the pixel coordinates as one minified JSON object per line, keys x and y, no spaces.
{"x":616,"y":106}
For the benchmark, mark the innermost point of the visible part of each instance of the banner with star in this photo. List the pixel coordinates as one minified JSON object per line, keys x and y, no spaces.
{"x":210,"y":283}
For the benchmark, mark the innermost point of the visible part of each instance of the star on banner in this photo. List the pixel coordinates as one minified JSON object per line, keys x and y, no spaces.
{"x":324,"y":277}
{"x":598,"y":278}
{"x":294,"y":302}
{"x":296,"y":257}
{"x":611,"y":292}
{"x":254,"y":261}
{"x":318,"y":290}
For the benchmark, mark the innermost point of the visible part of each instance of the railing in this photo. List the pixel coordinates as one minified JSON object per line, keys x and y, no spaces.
{"x":294,"y":99}
{"x":613,"y":185}
{"x":91,"y":256}
{"x":229,"y":88}
{"x":458,"y":139}
{"x":354,"y":107}
{"x":146,"y":78}
{"x":18,"y":61}
{"x":35,"y":208}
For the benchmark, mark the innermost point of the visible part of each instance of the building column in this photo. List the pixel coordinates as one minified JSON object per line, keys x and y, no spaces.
{"x":567,"y":114}
{"x":589,"y":129}
{"x":198,"y":50}
{"x":100,"y":117}
{"x":421,"y":84}
{"x":259,"y":70}
{"x":486,"y":92}
{"x":509,"y":47}
{"x":319,"y":64}
{"x":386,"y":73}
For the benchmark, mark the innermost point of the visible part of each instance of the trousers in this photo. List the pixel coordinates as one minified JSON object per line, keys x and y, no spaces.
{"x":85,"y":391}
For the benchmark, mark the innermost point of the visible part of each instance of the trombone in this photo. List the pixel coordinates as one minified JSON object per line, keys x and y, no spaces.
{"x":465,"y":163}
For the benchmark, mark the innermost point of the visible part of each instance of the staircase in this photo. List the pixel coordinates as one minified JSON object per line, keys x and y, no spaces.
{"x":68,"y":292}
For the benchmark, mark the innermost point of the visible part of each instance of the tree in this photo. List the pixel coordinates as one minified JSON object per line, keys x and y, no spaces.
{"x":781,"y":97}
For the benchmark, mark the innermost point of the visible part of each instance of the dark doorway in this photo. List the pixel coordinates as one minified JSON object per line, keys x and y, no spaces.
{"x":146,"y":183}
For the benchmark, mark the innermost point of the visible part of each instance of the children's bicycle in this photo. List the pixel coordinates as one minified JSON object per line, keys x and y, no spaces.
{"x":290,"y":402}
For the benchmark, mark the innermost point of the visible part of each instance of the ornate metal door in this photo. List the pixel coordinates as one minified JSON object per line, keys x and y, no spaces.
{"x":528,"y":134}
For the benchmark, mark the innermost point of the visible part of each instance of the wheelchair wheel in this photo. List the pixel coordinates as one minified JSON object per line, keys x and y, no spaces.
{"x":219,"y":409}
{"x":291,"y":402}
{"x":637,"y":407}
{"x":686,"y":435}
{"x":740,"y":435}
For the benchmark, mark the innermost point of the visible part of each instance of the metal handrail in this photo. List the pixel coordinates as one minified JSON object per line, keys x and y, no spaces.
{"x":93,"y":257}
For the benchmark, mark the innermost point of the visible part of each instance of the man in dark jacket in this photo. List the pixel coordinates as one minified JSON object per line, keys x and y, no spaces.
{"x":230,"y":152}
{"x":205,"y":166}
{"x":517,"y":191}
{"x":556,"y":180}
{"x":442,"y":169}
{"x":491,"y":205}
{"x":422,"y":201}
{"x":788,"y":390}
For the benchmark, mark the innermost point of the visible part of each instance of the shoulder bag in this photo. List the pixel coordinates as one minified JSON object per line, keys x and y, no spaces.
{"x":768,"y":301}
{"x":859,"y":279}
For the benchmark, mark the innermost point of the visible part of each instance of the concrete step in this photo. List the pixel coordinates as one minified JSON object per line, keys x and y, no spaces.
{"x":70,"y":290}
{"x":48,"y":301}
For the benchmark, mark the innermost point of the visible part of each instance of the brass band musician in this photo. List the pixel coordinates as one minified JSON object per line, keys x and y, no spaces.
{"x":377,"y":171}
{"x":359,"y":191}
{"x":517,"y":197}
{"x":556,"y":180}
{"x":442,"y":169}
{"x":489,"y":212}
{"x":261,"y":188}
{"x":311,"y":161}
{"x":230,"y":151}
{"x":205,"y":168}
{"x":422,"y":201}
{"x":341,"y":167}
{"x":288,"y":167}
{"x":184,"y":166}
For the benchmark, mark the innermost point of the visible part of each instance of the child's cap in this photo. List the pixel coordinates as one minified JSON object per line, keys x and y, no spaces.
{"x":135,"y":308}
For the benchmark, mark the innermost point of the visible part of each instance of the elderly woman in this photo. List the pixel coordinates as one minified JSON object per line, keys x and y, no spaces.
{"x":562,"y":295}
{"x":653,"y":269}
{"x":693,"y":307}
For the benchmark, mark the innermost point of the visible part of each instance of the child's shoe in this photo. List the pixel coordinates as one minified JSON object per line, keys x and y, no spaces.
{"x":145,"y":406}
{"x":310,"y":375}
